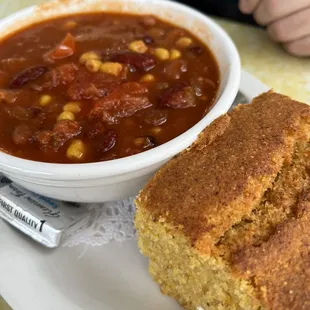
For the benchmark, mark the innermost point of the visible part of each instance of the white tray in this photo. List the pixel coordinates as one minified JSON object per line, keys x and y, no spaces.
{"x":111,"y":277}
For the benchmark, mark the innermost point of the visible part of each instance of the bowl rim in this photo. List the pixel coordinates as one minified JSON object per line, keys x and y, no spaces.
{"x":57,"y":171}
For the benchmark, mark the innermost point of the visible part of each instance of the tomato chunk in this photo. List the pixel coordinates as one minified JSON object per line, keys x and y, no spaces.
{"x":27,"y":75}
{"x":63,"y":50}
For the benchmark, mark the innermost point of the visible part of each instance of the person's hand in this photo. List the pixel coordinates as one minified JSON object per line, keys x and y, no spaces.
{"x":287,"y":22}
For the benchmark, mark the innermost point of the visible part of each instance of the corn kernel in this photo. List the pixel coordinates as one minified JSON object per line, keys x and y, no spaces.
{"x":139,"y":141}
{"x":175,"y":54}
{"x":147,"y":78}
{"x":156,"y":130}
{"x":70,"y":24}
{"x":66,"y":115}
{"x":93,"y":65}
{"x":113,"y":68}
{"x":87,"y":56}
{"x":73,"y":107}
{"x":138,"y":46}
{"x":184,"y":42}
{"x":76,"y":150}
{"x":45,"y":100}
{"x":162,"y":53}
{"x":145,"y":142}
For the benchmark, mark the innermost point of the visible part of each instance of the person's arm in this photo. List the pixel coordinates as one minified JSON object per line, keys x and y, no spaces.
{"x":287,"y":22}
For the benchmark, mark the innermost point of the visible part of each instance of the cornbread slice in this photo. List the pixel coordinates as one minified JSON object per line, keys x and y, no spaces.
{"x":225,"y":224}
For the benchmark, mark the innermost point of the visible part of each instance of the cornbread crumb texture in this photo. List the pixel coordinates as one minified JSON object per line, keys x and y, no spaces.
{"x":207,"y":190}
{"x":225,"y":222}
{"x":193,"y":280}
{"x":280,"y":267}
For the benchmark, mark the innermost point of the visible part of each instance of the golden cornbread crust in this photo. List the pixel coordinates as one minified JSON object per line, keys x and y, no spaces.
{"x":207,"y":190}
{"x":226,"y":223}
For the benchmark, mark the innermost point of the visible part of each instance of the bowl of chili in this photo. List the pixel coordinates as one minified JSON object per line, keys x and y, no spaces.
{"x":95,"y":96}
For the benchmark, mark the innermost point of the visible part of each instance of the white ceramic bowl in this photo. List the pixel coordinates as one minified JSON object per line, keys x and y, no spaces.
{"x":121,"y":178}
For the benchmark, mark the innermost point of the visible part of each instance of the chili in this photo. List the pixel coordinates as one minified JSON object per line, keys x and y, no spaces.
{"x":100,"y":86}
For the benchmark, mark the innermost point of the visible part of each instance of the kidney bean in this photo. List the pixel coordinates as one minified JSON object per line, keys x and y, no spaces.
{"x":108,"y":141}
{"x":94,"y":129}
{"x":196,"y":50}
{"x":148,"y":40}
{"x":37,"y":114}
{"x":141,"y":62}
{"x":27,"y":75}
{"x":35,"y":111}
{"x":22,"y":135}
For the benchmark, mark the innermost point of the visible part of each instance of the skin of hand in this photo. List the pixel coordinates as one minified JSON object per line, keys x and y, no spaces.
{"x":287,"y":22}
